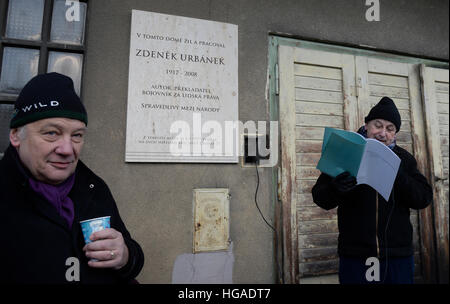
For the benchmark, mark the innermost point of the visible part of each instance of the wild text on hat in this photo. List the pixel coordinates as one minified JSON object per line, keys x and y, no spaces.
{"x":53,"y":103}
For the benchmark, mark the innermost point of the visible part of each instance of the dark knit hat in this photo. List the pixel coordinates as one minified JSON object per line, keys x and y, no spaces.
{"x":45,"y":96}
{"x":385,"y":109}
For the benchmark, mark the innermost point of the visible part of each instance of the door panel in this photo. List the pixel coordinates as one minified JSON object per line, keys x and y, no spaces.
{"x":435,"y":87}
{"x":377,"y":78}
{"x":322,"y":95}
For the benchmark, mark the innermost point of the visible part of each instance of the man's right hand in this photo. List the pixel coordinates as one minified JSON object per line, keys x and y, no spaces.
{"x":344,"y":182}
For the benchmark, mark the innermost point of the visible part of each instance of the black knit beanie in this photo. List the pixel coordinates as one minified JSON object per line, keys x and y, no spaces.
{"x":385,"y":109}
{"x":45,"y":96}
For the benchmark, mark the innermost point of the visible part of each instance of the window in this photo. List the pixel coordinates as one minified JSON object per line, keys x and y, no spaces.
{"x":38,"y":36}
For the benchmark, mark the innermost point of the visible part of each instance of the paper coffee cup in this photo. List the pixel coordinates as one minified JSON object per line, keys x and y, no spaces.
{"x":93,"y":225}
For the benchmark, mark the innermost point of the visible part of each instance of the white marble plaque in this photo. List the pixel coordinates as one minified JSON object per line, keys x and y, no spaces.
{"x":182,"y":90}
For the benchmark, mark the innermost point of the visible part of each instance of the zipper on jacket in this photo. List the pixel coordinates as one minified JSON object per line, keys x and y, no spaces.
{"x":376,"y":224}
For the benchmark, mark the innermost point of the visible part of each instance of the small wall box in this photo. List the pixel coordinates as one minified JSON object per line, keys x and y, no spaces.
{"x":211,"y":219}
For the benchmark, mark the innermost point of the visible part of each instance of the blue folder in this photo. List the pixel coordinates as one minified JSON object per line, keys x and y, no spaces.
{"x":341,"y":151}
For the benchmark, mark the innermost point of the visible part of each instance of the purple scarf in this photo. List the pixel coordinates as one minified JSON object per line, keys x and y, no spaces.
{"x":57,"y":196}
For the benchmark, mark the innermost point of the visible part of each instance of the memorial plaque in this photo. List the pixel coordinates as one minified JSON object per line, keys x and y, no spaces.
{"x":182,"y":90}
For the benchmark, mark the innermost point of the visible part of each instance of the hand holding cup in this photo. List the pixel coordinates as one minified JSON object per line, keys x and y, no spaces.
{"x":107,"y":249}
{"x":105,"y":246}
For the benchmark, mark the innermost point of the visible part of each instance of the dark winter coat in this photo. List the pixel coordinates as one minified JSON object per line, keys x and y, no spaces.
{"x":36,"y":241}
{"x":359,"y":233}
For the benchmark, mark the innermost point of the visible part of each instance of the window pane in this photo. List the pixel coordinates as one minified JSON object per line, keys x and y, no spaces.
{"x":18,"y":66}
{"x":25,"y":19}
{"x":68,"y":22}
{"x":69,"y":64}
{"x":6,"y":112}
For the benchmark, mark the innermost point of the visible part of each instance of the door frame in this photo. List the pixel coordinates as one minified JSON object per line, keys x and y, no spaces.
{"x":286,"y":249}
{"x":428,"y":77}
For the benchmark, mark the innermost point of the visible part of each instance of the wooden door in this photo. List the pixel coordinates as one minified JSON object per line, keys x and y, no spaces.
{"x":435,"y":87}
{"x":316,"y":90}
{"x":321,"y":89}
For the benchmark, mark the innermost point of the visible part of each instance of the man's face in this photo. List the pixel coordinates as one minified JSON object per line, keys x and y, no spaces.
{"x":382,"y":130}
{"x":50,"y":147}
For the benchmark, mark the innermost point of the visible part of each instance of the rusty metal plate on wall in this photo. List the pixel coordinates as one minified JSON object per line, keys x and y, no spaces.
{"x":211,"y":219}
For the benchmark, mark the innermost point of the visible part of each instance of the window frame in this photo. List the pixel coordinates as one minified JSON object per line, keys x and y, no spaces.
{"x":45,"y":46}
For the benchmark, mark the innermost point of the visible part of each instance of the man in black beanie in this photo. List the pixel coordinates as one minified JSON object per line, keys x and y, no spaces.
{"x":45,"y":191}
{"x":372,"y":229}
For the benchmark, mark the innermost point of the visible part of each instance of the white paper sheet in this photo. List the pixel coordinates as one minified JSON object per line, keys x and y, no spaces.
{"x":204,"y":268}
{"x":378,"y":168}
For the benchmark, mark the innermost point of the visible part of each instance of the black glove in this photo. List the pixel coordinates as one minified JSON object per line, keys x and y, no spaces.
{"x":344,"y":182}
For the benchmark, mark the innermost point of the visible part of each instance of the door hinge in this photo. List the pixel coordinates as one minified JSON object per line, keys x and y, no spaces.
{"x":279,"y":184}
{"x":277,"y":80}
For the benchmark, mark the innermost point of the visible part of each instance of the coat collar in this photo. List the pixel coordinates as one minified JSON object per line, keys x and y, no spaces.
{"x":81,"y":194}
{"x":83,"y":190}
{"x":16,"y":171}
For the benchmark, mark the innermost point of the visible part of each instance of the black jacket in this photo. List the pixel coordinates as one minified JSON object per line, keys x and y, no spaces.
{"x":36,"y":241}
{"x":357,"y":212}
